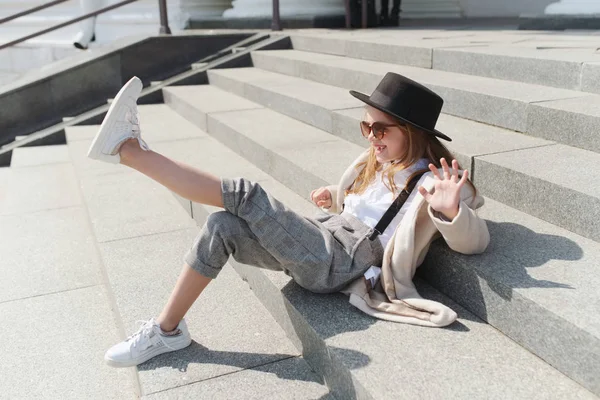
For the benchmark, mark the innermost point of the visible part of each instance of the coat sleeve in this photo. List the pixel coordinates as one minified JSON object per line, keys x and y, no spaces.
{"x":334,"y":209}
{"x":467,"y":233}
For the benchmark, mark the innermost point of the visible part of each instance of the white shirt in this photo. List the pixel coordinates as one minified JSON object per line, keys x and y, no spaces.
{"x":370,"y":206}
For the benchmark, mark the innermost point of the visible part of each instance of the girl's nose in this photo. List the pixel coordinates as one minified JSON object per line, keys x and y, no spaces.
{"x":371,"y":136}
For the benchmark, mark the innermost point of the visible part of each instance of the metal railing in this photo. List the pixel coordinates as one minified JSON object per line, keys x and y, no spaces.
{"x":162,"y":5}
{"x":164,"y":20}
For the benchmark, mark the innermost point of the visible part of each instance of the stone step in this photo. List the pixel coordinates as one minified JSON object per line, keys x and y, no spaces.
{"x":557,"y":61}
{"x":38,"y":188}
{"x":497,"y":158}
{"x":345,"y":346}
{"x":40,"y":155}
{"x":305,"y":158}
{"x":18,"y":60}
{"x":517,"y":106}
{"x":289,"y":379}
{"x":52,"y":284}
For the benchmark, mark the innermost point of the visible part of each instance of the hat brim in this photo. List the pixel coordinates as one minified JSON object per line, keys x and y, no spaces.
{"x":365,"y":99}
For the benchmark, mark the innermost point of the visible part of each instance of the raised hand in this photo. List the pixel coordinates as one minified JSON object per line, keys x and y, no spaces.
{"x":446,"y":195}
{"x":321,"y":197}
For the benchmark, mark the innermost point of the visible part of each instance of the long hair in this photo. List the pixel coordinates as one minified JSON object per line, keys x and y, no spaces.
{"x":419,"y":144}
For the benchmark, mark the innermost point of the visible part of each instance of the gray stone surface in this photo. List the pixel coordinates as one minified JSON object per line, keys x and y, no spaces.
{"x":39,"y":188}
{"x":55,"y":348}
{"x":556,"y":68}
{"x":286,"y":157}
{"x":244,"y":133}
{"x":206,"y":154}
{"x":306,"y":101}
{"x":39,"y":155}
{"x":230,"y":328}
{"x":536,"y":282}
{"x":82,"y":133}
{"x":209,"y":100}
{"x":286,"y":380}
{"x":45,"y":252}
{"x":590,"y":77}
{"x":572,"y":121}
{"x":379,"y":48}
{"x":549,"y":182}
{"x":128,"y":204}
{"x":86,"y":167}
{"x":319,"y":105}
{"x":481,"y":99}
{"x":550,"y":60}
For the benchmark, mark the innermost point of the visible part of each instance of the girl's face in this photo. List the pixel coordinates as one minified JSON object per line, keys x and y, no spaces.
{"x":391,"y":146}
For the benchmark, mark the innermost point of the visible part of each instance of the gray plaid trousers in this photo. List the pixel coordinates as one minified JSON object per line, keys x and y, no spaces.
{"x":322,"y":254}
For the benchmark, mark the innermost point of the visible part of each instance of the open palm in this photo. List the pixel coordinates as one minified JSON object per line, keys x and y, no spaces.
{"x":446,"y":195}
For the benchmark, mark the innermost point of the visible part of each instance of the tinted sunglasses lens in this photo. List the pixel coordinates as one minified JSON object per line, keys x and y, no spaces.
{"x":378,"y":130}
{"x":365,"y":128}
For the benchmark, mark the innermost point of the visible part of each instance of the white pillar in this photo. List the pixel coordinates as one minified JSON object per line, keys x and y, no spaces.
{"x":430,"y":9}
{"x":287,"y":8}
{"x":204,"y":8}
{"x":574,"y":7}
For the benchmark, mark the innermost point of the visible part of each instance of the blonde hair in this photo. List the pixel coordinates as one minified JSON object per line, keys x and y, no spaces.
{"x":419,"y":144}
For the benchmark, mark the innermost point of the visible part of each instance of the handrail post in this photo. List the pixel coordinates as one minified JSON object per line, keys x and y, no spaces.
{"x":365,"y":8}
{"x":276,"y":22}
{"x":164,"y":18}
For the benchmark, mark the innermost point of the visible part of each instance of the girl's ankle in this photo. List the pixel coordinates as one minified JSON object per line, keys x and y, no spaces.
{"x":128,"y":150}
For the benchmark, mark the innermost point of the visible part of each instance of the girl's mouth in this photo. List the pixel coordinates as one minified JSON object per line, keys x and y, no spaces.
{"x":379,"y":149}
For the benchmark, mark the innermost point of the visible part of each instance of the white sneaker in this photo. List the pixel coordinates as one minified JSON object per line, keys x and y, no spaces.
{"x":120,"y":124}
{"x":149,"y":341}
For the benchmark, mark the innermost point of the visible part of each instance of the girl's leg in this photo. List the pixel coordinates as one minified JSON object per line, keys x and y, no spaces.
{"x":223,"y":235}
{"x":187,"y":289}
{"x":188,"y":182}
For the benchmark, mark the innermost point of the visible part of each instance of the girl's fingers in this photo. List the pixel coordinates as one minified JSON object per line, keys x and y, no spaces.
{"x":464,"y":178}
{"x":424,"y":193}
{"x":445,"y":168}
{"x":454,"y":170}
{"x":436,"y":172}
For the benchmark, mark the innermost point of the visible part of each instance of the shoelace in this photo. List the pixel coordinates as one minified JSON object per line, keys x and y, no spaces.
{"x":132,"y":117}
{"x":143,"y":334}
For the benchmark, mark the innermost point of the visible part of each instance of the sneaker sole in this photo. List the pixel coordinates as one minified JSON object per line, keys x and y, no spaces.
{"x":156,"y":352}
{"x":133,"y":88}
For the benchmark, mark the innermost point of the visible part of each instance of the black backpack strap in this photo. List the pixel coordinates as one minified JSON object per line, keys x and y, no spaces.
{"x":395,"y":207}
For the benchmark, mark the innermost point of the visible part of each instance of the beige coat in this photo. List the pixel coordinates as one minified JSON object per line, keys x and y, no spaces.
{"x":397,"y":298}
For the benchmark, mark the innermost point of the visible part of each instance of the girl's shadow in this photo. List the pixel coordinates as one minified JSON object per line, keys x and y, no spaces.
{"x":504,"y":266}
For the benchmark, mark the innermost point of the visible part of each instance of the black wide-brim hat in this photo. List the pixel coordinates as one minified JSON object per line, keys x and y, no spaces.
{"x":406,"y":100}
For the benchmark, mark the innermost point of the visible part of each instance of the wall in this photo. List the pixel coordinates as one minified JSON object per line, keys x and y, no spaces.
{"x":503,"y":8}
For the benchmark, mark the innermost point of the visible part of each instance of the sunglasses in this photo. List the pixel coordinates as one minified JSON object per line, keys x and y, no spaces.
{"x":378,"y":128}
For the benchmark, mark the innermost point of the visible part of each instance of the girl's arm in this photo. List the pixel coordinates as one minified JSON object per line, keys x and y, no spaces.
{"x":333,"y":189}
{"x":462,"y":229}
{"x":467,"y":233}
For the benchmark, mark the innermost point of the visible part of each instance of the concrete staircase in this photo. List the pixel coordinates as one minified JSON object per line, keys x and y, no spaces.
{"x":528,"y":323}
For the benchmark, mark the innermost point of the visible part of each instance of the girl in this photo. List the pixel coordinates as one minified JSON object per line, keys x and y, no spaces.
{"x":376,"y":221}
